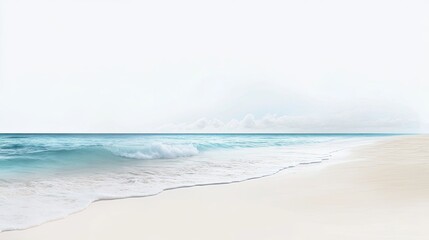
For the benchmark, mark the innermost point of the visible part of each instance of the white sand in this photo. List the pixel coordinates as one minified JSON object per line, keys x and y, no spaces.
{"x":381,"y":193}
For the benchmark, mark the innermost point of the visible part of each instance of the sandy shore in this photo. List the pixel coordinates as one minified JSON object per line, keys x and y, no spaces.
{"x":380,"y":192}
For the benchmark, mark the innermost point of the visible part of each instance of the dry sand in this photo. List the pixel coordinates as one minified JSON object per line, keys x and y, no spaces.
{"x":380,"y":191}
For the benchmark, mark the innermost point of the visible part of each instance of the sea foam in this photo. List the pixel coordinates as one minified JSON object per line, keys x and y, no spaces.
{"x":156,"y":151}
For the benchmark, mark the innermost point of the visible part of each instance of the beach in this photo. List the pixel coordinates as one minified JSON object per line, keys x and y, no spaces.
{"x":376,"y":191}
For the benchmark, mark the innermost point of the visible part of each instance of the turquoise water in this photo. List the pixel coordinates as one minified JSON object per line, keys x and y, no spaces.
{"x":45,"y":177}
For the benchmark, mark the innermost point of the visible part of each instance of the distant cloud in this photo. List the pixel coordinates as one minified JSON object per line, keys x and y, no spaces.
{"x":353,"y":121}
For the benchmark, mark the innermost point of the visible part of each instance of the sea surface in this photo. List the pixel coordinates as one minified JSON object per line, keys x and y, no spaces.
{"x":49,"y":176}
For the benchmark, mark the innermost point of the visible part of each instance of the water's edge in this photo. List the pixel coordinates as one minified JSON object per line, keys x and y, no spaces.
{"x":329,"y":156}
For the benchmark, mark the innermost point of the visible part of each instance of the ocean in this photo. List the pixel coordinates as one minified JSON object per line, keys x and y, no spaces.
{"x":49,"y":176}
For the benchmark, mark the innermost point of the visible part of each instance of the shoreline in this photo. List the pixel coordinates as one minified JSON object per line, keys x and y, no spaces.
{"x":68,"y":221}
{"x":346,"y":146}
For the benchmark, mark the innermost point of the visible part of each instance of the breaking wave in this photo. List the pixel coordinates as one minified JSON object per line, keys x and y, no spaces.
{"x":156,"y":151}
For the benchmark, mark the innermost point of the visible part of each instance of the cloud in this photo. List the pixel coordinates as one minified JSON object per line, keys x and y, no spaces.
{"x":354,"y":120}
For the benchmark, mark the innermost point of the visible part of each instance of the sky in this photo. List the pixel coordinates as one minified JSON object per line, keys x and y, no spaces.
{"x":214,"y":66}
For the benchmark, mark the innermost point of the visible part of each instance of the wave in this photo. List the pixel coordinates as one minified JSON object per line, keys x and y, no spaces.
{"x":156,"y":151}
{"x":12,"y":146}
{"x":91,"y":156}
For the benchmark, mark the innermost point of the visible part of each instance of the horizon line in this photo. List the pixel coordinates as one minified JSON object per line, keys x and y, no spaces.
{"x":198,"y":133}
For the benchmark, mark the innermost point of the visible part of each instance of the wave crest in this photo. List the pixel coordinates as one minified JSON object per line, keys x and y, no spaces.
{"x":157,"y":151}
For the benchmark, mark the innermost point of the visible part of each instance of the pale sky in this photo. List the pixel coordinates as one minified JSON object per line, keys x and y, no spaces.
{"x":214,"y":66}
